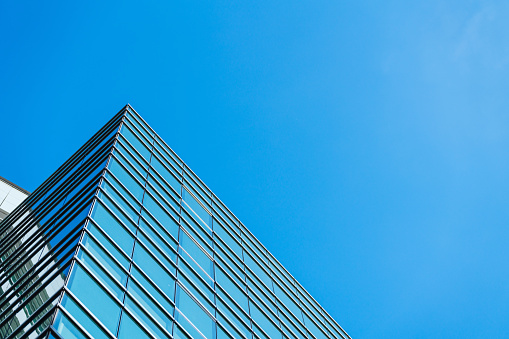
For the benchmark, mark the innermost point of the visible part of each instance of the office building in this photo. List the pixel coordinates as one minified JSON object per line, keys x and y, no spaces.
{"x":125,"y":241}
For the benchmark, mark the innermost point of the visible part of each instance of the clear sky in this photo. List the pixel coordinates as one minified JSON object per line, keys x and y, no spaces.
{"x":365,"y":143}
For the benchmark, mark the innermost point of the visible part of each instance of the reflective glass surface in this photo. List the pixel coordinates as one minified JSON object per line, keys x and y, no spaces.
{"x":158,"y":255}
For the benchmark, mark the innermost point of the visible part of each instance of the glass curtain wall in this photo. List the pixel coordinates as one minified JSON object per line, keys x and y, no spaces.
{"x":38,"y":239}
{"x":162,"y":257}
{"x":125,"y":241}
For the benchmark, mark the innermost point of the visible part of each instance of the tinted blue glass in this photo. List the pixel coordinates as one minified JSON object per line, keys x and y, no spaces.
{"x":66,"y":328}
{"x":179,"y":333}
{"x":162,"y":192}
{"x":165,"y":171}
{"x":234,"y":267}
{"x":237,"y":293}
{"x":201,"y":214}
{"x":129,"y":329}
{"x":128,"y":152}
{"x":197,"y":287}
{"x":127,"y":179}
{"x":200,"y":233}
{"x":227,"y":236}
{"x":192,"y":249}
{"x":161,"y":212}
{"x":154,"y":290}
{"x":141,"y":127}
{"x":158,"y":235}
{"x":168,"y":154}
{"x":113,"y":228}
{"x":100,"y":255}
{"x":194,"y":314}
{"x":101,"y":305}
{"x":313,"y":328}
{"x":99,"y":273}
{"x":167,"y":260}
{"x":145,"y":319}
{"x":287,"y":301}
{"x":290,"y":326}
{"x":263,"y":321}
{"x":81,"y":316}
{"x":257,"y":270}
{"x":110,"y":247}
{"x":143,"y":147}
{"x":240,"y":322}
{"x":160,"y":275}
{"x":260,"y":293}
{"x":124,"y":201}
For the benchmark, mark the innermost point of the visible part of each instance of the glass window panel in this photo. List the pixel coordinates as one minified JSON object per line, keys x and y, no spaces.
{"x":234,"y":308}
{"x":113,"y":228}
{"x":259,"y":272}
{"x":101,"y":305}
{"x":227,"y":217}
{"x":198,"y":288}
{"x":226,"y":236}
{"x":166,"y":173}
{"x":235,"y":332}
{"x":222,"y":333}
{"x":197,"y":208}
{"x":141,"y":126}
{"x":197,"y":254}
{"x":229,"y":264}
{"x":158,"y":274}
{"x":100,"y":255}
{"x":287,"y":301}
{"x":291,"y":325}
{"x":129,"y":329}
{"x":260,"y":256}
{"x":194,"y":313}
{"x":81,"y":317}
{"x":128,"y":152}
{"x":147,"y":220}
{"x":67,"y":329}
{"x":169,"y":154}
{"x":166,"y":260}
{"x":135,"y":141}
{"x":108,"y":245}
{"x":313,"y":328}
{"x":129,"y":207}
{"x":197,"y":222}
{"x":242,"y":326}
{"x":171,"y":205}
{"x":198,"y":185}
{"x":99,"y":273}
{"x":139,"y":132}
{"x":161,"y":214}
{"x":236,"y":292}
{"x":261,"y":293}
{"x":161,"y":297}
{"x":263,"y":321}
{"x":159,"y":189}
{"x":142,"y":317}
{"x":279,"y":272}
{"x":197,"y":231}
{"x":308,"y":301}
{"x":126,"y":178}
{"x":163,"y":240}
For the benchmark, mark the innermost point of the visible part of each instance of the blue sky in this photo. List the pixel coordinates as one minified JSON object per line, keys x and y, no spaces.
{"x":365,"y":143}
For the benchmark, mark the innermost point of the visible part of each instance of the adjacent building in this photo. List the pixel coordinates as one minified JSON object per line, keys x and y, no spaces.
{"x":125,"y":241}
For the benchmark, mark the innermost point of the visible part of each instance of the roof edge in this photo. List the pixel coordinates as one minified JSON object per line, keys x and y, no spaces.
{"x":14,"y":186}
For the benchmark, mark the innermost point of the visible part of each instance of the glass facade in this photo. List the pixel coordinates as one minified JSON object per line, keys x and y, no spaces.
{"x":137,"y":246}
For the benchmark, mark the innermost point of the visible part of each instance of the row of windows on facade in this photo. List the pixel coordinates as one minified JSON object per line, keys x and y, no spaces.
{"x":162,"y":161}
